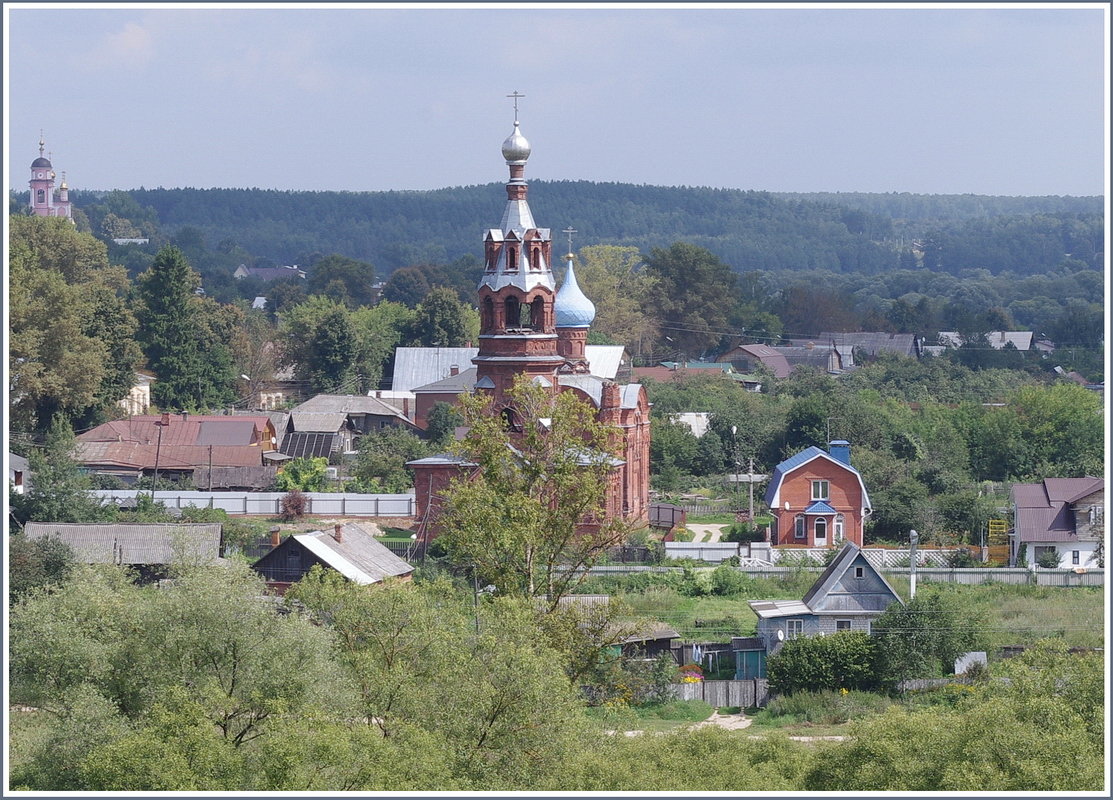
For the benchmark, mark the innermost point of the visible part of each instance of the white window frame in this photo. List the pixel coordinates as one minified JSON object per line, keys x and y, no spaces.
{"x":843,"y":625}
{"x":794,"y":628}
{"x":821,"y":490}
{"x":800,"y":527}
{"x":815,"y":527}
{"x":840,"y":527}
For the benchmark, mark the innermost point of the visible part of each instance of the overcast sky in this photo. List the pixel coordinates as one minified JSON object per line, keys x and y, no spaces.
{"x":982,"y":100}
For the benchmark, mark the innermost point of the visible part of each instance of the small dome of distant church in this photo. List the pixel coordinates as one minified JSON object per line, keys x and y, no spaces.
{"x":41,"y":162}
{"x":515,"y":149}
{"x":572,"y":307}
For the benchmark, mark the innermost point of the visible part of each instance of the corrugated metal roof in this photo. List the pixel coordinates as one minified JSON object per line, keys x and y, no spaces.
{"x":419,"y":366}
{"x":631,"y":394}
{"x":604,"y":360}
{"x":766,"y":609}
{"x":230,"y":431}
{"x":130,"y":455}
{"x":349,"y":404}
{"x":588,"y":384}
{"x":360,"y":557}
{"x":317,"y":422}
{"x":148,"y":543}
{"x":453,"y":384}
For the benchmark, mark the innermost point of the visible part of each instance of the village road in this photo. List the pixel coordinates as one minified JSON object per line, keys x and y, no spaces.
{"x":706,"y":533}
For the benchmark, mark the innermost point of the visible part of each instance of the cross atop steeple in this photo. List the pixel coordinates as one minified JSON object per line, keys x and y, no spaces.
{"x":42,"y":143}
{"x":569,"y":230}
{"x":516,"y":97}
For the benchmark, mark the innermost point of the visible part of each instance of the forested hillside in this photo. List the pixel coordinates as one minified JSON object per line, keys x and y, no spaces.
{"x":863,"y":233}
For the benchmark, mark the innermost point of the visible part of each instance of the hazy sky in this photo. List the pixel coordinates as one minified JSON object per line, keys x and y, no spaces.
{"x":990,"y":100}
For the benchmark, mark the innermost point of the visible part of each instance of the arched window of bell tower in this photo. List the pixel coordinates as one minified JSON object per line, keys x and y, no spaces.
{"x":40,"y":196}
{"x":513,"y":313}
{"x":511,"y":259}
{"x":537,"y":314}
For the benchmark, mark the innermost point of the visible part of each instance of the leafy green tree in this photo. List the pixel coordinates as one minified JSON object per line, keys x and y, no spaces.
{"x":380,"y":465}
{"x":923,"y":637}
{"x":185,"y":337}
{"x":71,"y":350}
{"x":442,"y":422}
{"x":304,"y":474}
{"x":379,"y":330}
{"x":443,"y":321}
{"x":407,"y":286}
{"x":60,"y":489}
{"x":615,"y":279}
{"x":692,"y":297}
{"x":520,"y":519}
{"x":845,"y":660}
{"x":673,"y":446}
{"x":344,"y":279}
{"x":34,"y":563}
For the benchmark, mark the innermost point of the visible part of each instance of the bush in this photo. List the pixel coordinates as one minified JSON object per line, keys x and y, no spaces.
{"x":294,"y":505}
{"x":961,"y":558}
{"x":845,"y":660}
{"x":1048,"y":559}
{"x":824,"y":708}
{"x":743,"y":532}
{"x":726,"y":580}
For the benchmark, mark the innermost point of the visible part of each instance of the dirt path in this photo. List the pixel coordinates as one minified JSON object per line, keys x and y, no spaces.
{"x":732,"y":722}
{"x":706,"y":533}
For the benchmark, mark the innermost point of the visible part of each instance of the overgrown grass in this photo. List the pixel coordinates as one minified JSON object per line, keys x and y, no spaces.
{"x":822,"y":708}
{"x":664,"y":716}
{"x":724,"y":518}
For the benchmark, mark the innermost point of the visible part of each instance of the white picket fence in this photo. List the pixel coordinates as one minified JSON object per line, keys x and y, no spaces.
{"x":330,"y":504}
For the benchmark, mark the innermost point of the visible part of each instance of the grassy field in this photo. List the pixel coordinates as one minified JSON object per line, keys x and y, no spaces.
{"x":654,"y":717}
{"x":1009,"y":614}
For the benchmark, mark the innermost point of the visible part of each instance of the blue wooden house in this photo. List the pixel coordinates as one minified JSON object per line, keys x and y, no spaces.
{"x":848,"y":596}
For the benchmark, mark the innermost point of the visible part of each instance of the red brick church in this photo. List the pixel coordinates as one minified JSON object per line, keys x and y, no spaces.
{"x":528,"y":327}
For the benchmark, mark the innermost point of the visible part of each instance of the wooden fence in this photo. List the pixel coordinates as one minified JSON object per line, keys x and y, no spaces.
{"x":721,"y":694}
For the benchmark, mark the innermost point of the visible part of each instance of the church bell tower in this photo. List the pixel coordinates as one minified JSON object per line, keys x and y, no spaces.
{"x":517,"y":332}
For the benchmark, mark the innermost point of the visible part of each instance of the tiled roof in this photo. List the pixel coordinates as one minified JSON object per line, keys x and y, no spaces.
{"x":133,"y":544}
{"x":192,"y":429}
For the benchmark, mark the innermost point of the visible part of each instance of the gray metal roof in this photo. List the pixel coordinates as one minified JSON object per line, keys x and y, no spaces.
{"x":318,"y":421}
{"x":230,"y":431}
{"x":359,"y":557}
{"x":420,"y":366}
{"x":348,"y":404}
{"x":148,"y":543}
{"x":453,"y":384}
{"x":834,"y":572}
{"x":604,"y":359}
{"x":18,"y":463}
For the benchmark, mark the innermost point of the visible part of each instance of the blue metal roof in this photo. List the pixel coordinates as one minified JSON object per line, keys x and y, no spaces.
{"x":819,"y":507}
{"x":801,"y":458}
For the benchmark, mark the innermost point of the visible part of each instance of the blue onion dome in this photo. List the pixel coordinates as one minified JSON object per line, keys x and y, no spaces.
{"x":572,"y":308}
{"x":515,"y":149}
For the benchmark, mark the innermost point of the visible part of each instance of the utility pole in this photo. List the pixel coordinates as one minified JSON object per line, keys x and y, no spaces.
{"x":158,"y":450}
{"x":913,"y":539}
{"x":210,"y":467}
{"x":751,"y":477}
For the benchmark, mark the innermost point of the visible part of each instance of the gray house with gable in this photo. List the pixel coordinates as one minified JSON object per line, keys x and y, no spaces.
{"x":848,"y":596}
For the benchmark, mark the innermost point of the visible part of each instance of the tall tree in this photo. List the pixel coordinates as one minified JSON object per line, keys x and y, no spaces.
{"x":519,"y":518}
{"x":616,"y":280}
{"x":344,"y":279}
{"x":185,"y":337}
{"x":443,"y":321}
{"x":71,"y":350}
{"x":693,"y":297}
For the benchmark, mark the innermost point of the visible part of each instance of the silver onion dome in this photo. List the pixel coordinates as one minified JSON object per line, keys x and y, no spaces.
{"x":572,"y":307}
{"x":515,"y":149}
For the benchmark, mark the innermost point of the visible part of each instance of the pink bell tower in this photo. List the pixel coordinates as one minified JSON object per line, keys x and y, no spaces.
{"x":44,"y":201}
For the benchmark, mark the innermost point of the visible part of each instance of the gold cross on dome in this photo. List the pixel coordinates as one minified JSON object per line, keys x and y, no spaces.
{"x":569,"y":230}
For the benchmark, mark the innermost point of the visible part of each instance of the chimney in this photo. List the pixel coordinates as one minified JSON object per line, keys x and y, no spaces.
{"x":276,"y":536}
{"x":612,"y":397}
{"x":338,"y":533}
{"x":165,"y":418}
{"x":185,"y":416}
{"x":453,"y":370}
{"x":840,"y":450}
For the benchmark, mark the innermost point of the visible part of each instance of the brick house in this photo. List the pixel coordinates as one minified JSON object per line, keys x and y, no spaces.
{"x":818,"y":499}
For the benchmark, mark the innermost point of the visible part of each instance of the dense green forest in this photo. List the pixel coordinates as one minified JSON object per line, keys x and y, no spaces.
{"x":864,"y":233}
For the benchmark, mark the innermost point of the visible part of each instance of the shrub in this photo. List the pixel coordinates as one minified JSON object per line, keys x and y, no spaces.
{"x":825,"y":707}
{"x":743,"y":532}
{"x":1048,"y":559}
{"x":845,"y":660}
{"x":726,"y":580}
{"x":961,"y":558}
{"x":294,"y":505}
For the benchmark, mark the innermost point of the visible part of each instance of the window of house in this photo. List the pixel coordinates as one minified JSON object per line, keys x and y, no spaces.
{"x":842,"y":625}
{"x":800,"y":532}
{"x":820,"y":529}
{"x":511,"y":259}
{"x":1095,"y":514}
{"x":794,"y":628}
{"x":1075,"y":557}
{"x":821,"y":490}
{"x":859,"y":572}
{"x":840,"y":527}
